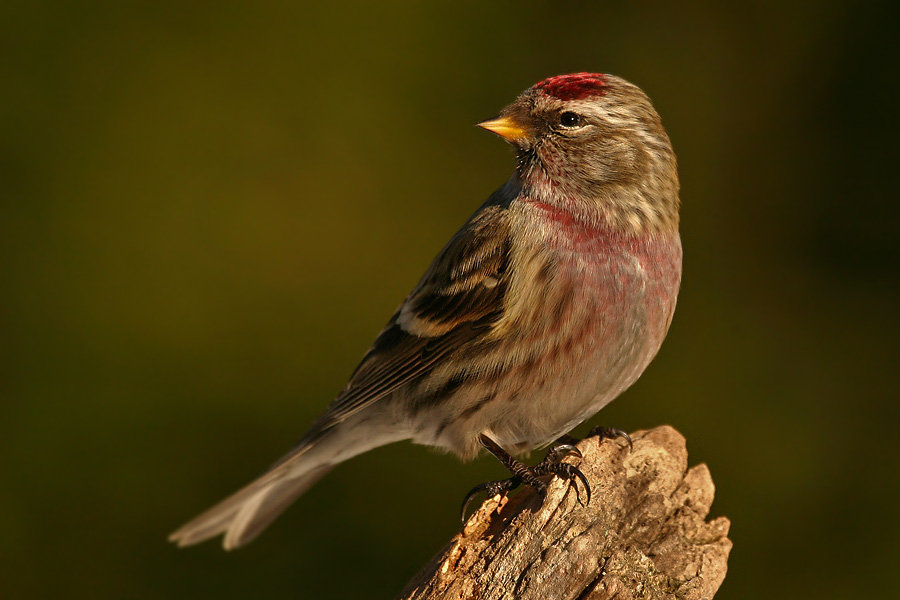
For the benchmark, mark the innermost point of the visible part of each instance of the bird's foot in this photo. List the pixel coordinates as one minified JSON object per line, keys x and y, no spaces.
{"x":553,"y":465}
{"x":492,"y":488}
{"x":530,"y":476}
{"x":611,"y":433}
{"x":604,"y":433}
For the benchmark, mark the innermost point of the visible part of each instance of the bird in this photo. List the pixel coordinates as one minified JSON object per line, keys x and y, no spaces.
{"x":547,"y":304}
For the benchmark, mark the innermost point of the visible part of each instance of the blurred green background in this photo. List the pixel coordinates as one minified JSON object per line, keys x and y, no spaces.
{"x":209,"y":209}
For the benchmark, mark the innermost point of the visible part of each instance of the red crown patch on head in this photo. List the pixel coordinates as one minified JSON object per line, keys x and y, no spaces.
{"x":575,"y":86}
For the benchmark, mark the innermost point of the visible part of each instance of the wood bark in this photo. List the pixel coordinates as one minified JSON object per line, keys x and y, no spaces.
{"x":644,"y":534}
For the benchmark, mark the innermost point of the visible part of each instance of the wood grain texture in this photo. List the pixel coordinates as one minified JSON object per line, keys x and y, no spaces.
{"x":644,"y":534}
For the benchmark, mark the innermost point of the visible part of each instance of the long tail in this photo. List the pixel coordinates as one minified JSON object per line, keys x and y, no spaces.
{"x":243,"y":515}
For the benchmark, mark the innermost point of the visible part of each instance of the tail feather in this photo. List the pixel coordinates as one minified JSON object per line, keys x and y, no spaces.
{"x":243,"y":515}
{"x":263,"y":508}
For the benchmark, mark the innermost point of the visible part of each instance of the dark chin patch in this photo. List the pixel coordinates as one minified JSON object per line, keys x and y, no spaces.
{"x":575,"y":86}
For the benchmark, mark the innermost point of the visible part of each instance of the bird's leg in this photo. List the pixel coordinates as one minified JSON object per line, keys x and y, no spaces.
{"x":523,"y":473}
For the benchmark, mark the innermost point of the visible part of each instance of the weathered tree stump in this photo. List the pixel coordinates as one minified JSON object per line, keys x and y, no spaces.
{"x":644,"y":534}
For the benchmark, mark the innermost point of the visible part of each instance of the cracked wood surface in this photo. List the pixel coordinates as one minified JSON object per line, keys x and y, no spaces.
{"x":644,"y":534}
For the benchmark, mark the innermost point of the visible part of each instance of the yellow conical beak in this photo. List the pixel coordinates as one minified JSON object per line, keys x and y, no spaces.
{"x":506,"y":128}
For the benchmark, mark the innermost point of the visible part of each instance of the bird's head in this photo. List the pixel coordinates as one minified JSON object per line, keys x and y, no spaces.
{"x":594,"y":138}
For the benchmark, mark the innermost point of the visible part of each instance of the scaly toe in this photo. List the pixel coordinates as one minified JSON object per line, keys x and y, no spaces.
{"x":610,"y":433}
{"x":567,"y":472}
{"x":492,"y":488}
{"x":557,"y":453}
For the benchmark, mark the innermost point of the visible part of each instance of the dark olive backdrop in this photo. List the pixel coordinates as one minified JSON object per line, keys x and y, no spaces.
{"x":210,"y":209}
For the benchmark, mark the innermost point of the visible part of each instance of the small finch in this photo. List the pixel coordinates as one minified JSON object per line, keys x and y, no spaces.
{"x":549,"y":302}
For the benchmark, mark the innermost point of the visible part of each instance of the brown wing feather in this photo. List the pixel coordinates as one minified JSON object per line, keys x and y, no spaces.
{"x":456,"y":303}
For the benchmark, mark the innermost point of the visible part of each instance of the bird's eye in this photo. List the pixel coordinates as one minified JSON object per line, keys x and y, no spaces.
{"x":570,"y":119}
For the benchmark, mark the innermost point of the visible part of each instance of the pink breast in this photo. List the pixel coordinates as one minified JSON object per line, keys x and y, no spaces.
{"x":621,"y":287}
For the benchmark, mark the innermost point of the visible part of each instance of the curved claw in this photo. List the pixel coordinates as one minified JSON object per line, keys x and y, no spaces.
{"x":492,"y":488}
{"x":570,"y":472}
{"x":627,"y":438}
{"x":465,"y":504}
{"x":557,"y":453}
{"x":608,"y":433}
{"x":587,"y":487}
